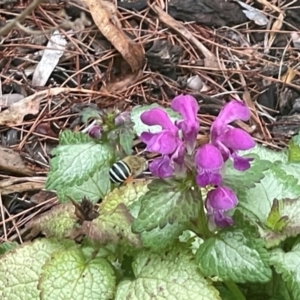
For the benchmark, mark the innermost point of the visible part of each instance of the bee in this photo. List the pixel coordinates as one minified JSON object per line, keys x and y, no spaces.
{"x":127,"y":168}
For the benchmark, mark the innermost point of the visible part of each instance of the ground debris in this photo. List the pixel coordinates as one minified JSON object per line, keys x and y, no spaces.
{"x":207,"y":12}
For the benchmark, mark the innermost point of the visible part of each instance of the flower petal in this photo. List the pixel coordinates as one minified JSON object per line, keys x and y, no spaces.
{"x":178,"y":155}
{"x":209,"y":162}
{"x":188,"y":107}
{"x":241,"y":163}
{"x":222,"y":220}
{"x":209,"y":157}
{"x":232,"y":111}
{"x":237,"y":139}
{"x":157,"y":116}
{"x":161,"y":167}
{"x":163,"y":142}
{"x":221,"y":198}
{"x":206,"y":178}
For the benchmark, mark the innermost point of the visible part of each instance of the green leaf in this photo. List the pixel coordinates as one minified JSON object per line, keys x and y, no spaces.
{"x":276,"y":184}
{"x":234,"y":178}
{"x":283,"y":221}
{"x":71,"y":275}
{"x":294,"y":149}
{"x":89,"y":113}
{"x":21,"y":268}
{"x":291,"y":169}
{"x":275,"y":289}
{"x":160,"y":238}
{"x":112,"y":227}
{"x":68,"y":137}
{"x":166,"y":202}
{"x":140,"y":127}
{"x":232,"y":256}
{"x":287,"y":264}
{"x":79,"y":165}
{"x":95,"y":188}
{"x":59,"y":222}
{"x":127,"y":194}
{"x":169,"y":275}
{"x":126,"y":140}
{"x":7,"y":246}
{"x":266,"y":154}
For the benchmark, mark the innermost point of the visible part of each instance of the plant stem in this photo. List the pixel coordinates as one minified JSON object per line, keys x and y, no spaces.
{"x":202,"y":219}
{"x":235,"y":291}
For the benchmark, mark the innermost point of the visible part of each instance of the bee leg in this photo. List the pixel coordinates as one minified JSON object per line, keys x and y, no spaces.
{"x":129,"y":179}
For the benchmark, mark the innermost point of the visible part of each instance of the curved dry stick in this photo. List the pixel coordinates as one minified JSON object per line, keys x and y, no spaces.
{"x":13,"y":23}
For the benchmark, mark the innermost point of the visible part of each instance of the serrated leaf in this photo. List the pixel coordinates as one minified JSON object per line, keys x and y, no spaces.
{"x":160,"y":238}
{"x":71,"y":275}
{"x":21,"y":268}
{"x":288,"y":264}
{"x":166,"y":202}
{"x":170,"y":275}
{"x":7,"y":246}
{"x":59,"y":222}
{"x":89,"y":113}
{"x":112,"y":227}
{"x":127,"y":194}
{"x":79,"y":165}
{"x":291,"y":169}
{"x":68,"y":137}
{"x":234,"y":178}
{"x":126,"y":140}
{"x":276,"y":184}
{"x":232,"y":256}
{"x":140,"y":127}
{"x":74,"y":164}
{"x":95,"y":188}
{"x":266,"y":154}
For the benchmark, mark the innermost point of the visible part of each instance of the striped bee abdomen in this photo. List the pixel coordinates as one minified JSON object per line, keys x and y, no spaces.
{"x":119,"y":172}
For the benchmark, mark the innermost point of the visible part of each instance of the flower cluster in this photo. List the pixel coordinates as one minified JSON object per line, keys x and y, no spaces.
{"x":176,"y":143}
{"x":168,"y":142}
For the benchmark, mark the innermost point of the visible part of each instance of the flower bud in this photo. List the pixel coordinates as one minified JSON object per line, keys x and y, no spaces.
{"x":95,"y":132}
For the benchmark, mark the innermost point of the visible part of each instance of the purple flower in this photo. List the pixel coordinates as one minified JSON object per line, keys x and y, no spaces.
{"x":209,"y":162}
{"x":167,"y":142}
{"x":95,"y":132}
{"x":162,"y":167}
{"x":188,"y":107}
{"x":218,"y":202}
{"x":229,"y":139}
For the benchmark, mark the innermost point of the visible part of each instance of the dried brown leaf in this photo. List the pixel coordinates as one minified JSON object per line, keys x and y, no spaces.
{"x":112,"y":227}
{"x":30,"y":105}
{"x":102,"y":16}
{"x":122,"y":82}
{"x":22,"y":187}
{"x":17,"y":111}
{"x":12,"y":162}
